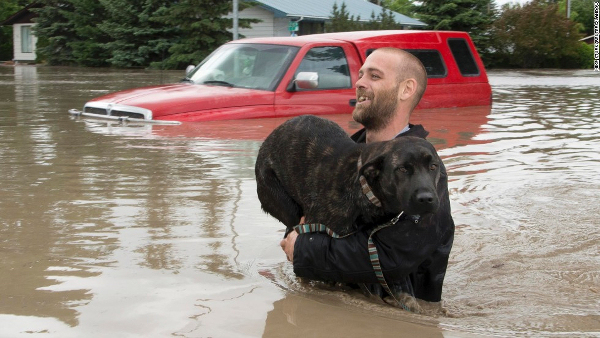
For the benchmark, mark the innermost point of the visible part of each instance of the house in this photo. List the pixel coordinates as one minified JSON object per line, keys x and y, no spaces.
{"x":293,"y":17}
{"x":24,"y":40}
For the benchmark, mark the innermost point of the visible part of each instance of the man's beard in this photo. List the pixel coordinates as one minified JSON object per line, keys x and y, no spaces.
{"x":380,"y":112}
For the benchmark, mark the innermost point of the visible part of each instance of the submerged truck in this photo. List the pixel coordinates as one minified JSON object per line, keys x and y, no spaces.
{"x":289,"y":76}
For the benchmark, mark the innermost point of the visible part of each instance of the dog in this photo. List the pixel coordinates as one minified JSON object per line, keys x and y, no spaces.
{"x":309,"y":166}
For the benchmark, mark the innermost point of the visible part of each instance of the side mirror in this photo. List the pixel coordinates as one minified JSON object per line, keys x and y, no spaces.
{"x":307,"y":80}
{"x":189,"y":69}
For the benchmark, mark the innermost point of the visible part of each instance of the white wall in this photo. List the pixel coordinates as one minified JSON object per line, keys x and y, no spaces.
{"x":18,"y":55}
{"x":258,"y":30}
{"x":270,"y":26}
{"x":280,"y":27}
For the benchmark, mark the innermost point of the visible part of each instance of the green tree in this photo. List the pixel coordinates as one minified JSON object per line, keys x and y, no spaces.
{"x":68,"y":34}
{"x":341,"y":20}
{"x":132,"y":33}
{"x":384,"y":20}
{"x":136,"y":38}
{"x":54,"y":32}
{"x":535,"y":35}
{"x":405,"y":7}
{"x":472,"y":16}
{"x":201,"y":26}
{"x":87,"y":48}
{"x":582,"y":11}
{"x":7,"y":8}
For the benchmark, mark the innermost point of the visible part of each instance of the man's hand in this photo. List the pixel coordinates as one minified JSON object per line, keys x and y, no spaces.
{"x":287,"y":244}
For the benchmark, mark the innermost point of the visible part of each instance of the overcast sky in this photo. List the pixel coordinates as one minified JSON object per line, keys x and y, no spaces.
{"x":502,"y":2}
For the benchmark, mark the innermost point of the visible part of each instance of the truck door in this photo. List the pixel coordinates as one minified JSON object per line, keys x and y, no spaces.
{"x":337,"y":72}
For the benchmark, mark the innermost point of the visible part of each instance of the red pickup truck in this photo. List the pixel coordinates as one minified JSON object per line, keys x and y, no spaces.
{"x":288,"y":76}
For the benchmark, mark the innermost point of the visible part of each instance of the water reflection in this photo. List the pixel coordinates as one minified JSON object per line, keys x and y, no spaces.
{"x":156,"y":230}
{"x":298,"y":316}
{"x":26,"y":88}
{"x":447,"y":127}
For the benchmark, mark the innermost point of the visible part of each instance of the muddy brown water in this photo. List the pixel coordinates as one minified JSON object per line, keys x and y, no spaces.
{"x":125,"y":231}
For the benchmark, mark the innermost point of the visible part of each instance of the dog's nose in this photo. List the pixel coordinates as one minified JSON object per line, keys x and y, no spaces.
{"x":425,"y":198}
{"x":422,"y":202}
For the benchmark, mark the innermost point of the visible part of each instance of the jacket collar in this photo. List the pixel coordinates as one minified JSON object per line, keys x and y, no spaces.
{"x":415,"y":130}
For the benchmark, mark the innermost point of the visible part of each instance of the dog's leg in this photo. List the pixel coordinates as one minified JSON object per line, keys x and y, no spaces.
{"x":276,"y":202}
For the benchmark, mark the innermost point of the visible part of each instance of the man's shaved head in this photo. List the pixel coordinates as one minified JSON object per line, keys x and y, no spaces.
{"x":409,"y":66}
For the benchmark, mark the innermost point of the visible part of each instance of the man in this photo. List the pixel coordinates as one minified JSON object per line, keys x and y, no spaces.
{"x":413,"y":256}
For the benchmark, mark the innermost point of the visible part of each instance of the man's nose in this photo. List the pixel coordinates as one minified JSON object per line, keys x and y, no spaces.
{"x":360,"y":83}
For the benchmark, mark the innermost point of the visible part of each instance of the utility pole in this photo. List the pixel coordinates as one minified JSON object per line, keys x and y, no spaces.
{"x":235,"y":20}
{"x":568,"y":9}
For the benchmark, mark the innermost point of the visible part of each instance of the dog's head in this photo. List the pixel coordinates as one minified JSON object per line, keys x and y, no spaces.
{"x":403,"y":174}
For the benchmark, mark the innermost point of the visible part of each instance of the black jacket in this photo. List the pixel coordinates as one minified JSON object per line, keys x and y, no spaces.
{"x":413,"y":257}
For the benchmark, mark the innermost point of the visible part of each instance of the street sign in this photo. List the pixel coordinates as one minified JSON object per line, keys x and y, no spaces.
{"x":293,"y":27}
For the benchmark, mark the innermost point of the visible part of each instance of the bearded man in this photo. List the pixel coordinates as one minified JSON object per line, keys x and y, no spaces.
{"x":413,"y":257}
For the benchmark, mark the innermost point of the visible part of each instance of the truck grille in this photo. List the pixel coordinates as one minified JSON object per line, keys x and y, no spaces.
{"x":117,"y":110}
{"x":126,"y":113}
{"x":94,"y":110}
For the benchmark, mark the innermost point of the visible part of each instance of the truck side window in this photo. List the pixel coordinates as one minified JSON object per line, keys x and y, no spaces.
{"x":331,"y":65}
{"x":431,"y":60}
{"x":464,"y":59}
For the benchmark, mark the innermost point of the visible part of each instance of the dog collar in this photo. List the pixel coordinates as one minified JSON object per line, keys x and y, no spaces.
{"x":366,"y":189}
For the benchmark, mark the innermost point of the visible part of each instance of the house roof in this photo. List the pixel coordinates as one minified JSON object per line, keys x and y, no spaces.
{"x":322,"y":9}
{"x":22,"y":16}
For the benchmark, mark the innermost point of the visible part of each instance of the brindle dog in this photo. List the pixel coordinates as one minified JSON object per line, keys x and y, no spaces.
{"x":309,"y":166}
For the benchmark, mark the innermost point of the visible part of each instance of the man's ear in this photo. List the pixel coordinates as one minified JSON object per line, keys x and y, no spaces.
{"x":372,"y":168}
{"x":408,"y":88}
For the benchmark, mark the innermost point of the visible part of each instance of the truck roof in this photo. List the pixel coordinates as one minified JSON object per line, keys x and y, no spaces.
{"x":362,"y":38}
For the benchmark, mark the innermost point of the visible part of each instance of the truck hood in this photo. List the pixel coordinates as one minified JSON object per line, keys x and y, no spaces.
{"x":187,"y":97}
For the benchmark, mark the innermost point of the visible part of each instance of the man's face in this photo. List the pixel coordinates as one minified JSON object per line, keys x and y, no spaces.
{"x":377,"y":91}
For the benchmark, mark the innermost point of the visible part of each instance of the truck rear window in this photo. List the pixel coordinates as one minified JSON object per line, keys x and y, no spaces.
{"x":463,"y":57}
{"x":430,"y":58}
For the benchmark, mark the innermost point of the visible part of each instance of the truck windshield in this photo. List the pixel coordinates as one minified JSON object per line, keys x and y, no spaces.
{"x":255,"y":66}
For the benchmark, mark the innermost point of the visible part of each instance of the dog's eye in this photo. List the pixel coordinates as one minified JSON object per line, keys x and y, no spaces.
{"x":433,"y":166}
{"x":402,"y":169}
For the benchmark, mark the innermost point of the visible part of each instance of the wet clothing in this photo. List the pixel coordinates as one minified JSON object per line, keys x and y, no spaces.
{"x":413,"y":256}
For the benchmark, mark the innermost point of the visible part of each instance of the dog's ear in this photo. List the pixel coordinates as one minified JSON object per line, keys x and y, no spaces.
{"x":372,"y":168}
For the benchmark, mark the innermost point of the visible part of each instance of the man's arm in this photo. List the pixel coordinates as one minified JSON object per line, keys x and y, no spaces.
{"x":318,"y":256}
{"x":401,"y":248}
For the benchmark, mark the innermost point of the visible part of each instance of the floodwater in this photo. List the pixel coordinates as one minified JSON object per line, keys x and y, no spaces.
{"x":155,"y":231}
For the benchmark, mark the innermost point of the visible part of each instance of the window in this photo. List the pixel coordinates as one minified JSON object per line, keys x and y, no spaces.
{"x":310,"y":27}
{"x":253,"y":66}
{"x":26,"y":45}
{"x":331,"y":65}
{"x":464,"y":59}
{"x":431,"y":60}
